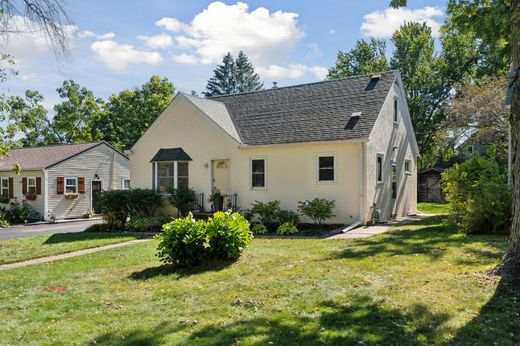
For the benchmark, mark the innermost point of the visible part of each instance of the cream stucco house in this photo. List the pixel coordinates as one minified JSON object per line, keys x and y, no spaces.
{"x":62,"y":181}
{"x":349,"y":140}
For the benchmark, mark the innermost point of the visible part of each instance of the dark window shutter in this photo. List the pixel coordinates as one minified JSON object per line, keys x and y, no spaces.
{"x":38,"y":185}
{"x":24,"y":186}
{"x":153,"y":176}
{"x":11,"y":187}
{"x":60,"y":185}
{"x":81,"y":184}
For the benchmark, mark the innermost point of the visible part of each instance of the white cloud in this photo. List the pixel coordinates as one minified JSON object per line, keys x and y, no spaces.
{"x":25,"y":39}
{"x":264,"y":36}
{"x":88,"y":34}
{"x":293,"y":71}
{"x":385,"y":23}
{"x":332,"y":31}
{"x":185,"y":59}
{"x":157,"y":41}
{"x":118,"y":56}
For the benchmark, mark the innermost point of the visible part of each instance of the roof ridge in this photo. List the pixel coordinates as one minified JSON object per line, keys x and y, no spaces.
{"x":212,"y":98}
{"x":56,"y":145}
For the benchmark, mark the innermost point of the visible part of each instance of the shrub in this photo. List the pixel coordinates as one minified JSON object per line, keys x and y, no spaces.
{"x":142,"y":202}
{"x":478,"y":195}
{"x":142,"y":224}
{"x":267,"y":212}
{"x":318,"y":210}
{"x":290,"y":216}
{"x":118,"y":205}
{"x":228,"y":235}
{"x":20,"y":212}
{"x":287,"y":228}
{"x":259,"y":228}
{"x":183,"y":199}
{"x":183,"y":242}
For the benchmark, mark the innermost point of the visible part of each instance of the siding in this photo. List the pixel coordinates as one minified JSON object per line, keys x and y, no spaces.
{"x":39,"y":202}
{"x":101,"y":160}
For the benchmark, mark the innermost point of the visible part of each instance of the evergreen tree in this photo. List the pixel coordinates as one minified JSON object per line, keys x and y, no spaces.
{"x":233,"y":76}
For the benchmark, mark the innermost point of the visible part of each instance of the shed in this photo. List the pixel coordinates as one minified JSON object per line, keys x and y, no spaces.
{"x":429,"y":186}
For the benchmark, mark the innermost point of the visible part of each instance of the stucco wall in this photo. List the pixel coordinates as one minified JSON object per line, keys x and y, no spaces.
{"x":102,"y":160}
{"x":291,"y":169}
{"x":385,"y":136}
{"x":39,"y":202}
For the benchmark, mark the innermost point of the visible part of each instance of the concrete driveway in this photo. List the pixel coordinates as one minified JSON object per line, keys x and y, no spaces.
{"x":22,"y":231}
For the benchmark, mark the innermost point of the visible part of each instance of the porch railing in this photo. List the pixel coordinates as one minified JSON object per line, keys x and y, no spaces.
{"x":230,"y":202}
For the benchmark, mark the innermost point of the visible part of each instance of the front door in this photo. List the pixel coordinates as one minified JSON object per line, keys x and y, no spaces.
{"x":221,"y":176}
{"x":96,"y":195}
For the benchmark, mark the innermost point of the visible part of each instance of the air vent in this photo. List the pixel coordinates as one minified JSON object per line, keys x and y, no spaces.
{"x":376,"y":76}
{"x":356,"y":114}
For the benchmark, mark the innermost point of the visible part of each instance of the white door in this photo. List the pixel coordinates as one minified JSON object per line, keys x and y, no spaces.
{"x":221,"y":176}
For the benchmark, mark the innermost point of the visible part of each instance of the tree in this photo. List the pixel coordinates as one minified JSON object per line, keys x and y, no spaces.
{"x":366,"y":57}
{"x":429,"y":78}
{"x":511,"y":19}
{"x":233,"y":76}
{"x":127,"y":115}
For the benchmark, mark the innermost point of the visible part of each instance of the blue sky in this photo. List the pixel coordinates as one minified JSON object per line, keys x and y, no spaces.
{"x":119,"y":44}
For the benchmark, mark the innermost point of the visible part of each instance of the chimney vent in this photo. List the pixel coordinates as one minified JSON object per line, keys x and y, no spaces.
{"x":356,"y":115}
{"x":376,"y":76}
{"x":275,"y":85}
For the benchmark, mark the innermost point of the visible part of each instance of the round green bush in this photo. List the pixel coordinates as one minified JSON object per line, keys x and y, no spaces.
{"x":259,"y":228}
{"x":183,"y":242}
{"x":228,"y":235}
{"x":287,"y":228}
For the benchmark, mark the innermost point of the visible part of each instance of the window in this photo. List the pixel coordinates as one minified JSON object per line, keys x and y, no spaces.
{"x":4,"y":189}
{"x":31,"y":185}
{"x":396,"y":111}
{"x":71,"y":185}
{"x":258,"y":173}
{"x":182,"y":174}
{"x":379,"y":168}
{"x":165,"y":176}
{"x":125,"y":183}
{"x":407,"y":167}
{"x":326,"y":168}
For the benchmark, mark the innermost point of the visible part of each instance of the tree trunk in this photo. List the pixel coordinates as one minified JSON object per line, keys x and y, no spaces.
{"x":511,"y":263}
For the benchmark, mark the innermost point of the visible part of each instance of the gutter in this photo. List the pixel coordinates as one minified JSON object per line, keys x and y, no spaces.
{"x":248,"y":146}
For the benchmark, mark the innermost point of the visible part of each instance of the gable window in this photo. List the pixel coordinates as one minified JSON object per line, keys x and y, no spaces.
{"x":407,"y":167}
{"x":258,"y":173}
{"x":71,"y":185}
{"x":31,"y":185}
{"x":125,"y":183}
{"x":326,"y":168}
{"x":379,"y":168}
{"x":4,"y":188}
{"x":396,"y":111}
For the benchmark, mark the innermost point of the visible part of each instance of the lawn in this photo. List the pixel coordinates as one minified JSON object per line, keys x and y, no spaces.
{"x":433,"y":208}
{"x":420,"y":284}
{"x":16,"y":250}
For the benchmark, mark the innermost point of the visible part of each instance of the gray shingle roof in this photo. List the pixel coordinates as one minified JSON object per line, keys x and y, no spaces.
{"x":309,"y":112}
{"x":42,"y":157}
{"x":171,"y":154}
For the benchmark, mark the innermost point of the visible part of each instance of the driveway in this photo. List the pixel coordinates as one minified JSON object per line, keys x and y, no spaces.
{"x":22,"y":231}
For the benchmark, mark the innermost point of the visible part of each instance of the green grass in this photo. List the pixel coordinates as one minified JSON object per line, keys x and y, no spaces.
{"x":16,"y":250}
{"x":433,"y":208}
{"x":421,"y":284}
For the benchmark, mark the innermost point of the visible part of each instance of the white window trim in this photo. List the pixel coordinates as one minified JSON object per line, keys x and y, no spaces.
{"x":65,"y":184}
{"x":395,"y":110}
{"x":123,"y":183}
{"x":317,"y":164}
{"x":2,"y":188}
{"x":251,"y":158}
{"x":29,"y":186}
{"x":382,"y":156}
{"x":410,"y":169}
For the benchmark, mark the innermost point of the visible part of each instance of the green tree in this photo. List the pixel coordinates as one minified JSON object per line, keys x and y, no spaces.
{"x":366,"y":57}
{"x":233,"y":76}
{"x":127,"y":115}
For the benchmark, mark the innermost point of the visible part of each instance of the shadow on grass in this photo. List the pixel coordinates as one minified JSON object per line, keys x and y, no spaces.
{"x":78,"y":236}
{"x":498,"y":322}
{"x":431,"y":236}
{"x":170,"y":269}
{"x":358,"y":321}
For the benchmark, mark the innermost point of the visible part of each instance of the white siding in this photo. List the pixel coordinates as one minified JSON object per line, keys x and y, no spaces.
{"x":39,"y":202}
{"x":102,"y":160}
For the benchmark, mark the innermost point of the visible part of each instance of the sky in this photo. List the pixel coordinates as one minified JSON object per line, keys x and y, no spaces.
{"x":118,"y":44}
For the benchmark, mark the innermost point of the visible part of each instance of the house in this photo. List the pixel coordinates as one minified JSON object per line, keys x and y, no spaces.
{"x":349,"y":140}
{"x":65,"y":180}
{"x":429,"y":186}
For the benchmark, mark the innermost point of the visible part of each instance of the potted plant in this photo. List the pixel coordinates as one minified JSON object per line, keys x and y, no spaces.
{"x":217,"y":198}
{"x":71,"y":195}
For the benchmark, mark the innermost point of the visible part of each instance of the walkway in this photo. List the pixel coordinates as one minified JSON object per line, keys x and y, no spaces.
{"x":70,"y":254}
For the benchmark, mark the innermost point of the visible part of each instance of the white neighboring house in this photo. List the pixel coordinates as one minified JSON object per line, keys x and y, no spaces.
{"x":349,"y":140}
{"x":65,"y":180}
